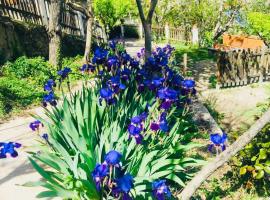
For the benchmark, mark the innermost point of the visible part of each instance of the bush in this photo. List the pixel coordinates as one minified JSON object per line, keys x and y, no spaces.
{"x":35,"y":70}
{"x":255,"y":161}
{"x":17,"y":94}
{"x":74,"y":63}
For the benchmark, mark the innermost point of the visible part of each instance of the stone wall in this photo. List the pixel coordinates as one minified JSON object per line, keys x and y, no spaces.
{"x":18,"y":39}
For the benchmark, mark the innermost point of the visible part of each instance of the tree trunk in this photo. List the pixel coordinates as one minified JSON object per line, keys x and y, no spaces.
{"x":55,"y":34}
{"x":224,"y":157}
{"x":88,"y":43}
{"x":147,"y":25}
{"x":148,"y":40}
{"x":123,"y":31}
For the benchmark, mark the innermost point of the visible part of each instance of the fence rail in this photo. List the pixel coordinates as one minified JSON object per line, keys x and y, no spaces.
{"x":38,"y":11}
{"x":243,"y":66}
{"x":171,"y":34}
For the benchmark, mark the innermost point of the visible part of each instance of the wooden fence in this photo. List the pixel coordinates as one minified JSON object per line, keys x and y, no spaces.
{"x":171,"y":34}
{"x":242,"y":67}
{"x":38,"y":11}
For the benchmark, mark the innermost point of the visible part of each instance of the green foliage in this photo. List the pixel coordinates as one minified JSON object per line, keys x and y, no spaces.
{"x":35,"y":70}
{"x":81,"y":132}
{"x":111,"y":12}
{"x":16,"y":94}
{"x":213,"y":81}
{"x":259,"y":24}
{"x":105,"y":11}
{"x":194,"y":53}
{"x":74,"y":63}
{"x":255,"y":159}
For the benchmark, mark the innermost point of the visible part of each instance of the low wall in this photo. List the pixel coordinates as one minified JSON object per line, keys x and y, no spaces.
{"x":18,"y":39}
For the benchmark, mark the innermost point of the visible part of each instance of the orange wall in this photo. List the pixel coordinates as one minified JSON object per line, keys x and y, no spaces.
{"x":242,"y":42}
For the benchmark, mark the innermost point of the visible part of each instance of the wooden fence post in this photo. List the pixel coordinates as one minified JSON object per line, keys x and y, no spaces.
{"x":167,"y":32}
{"x":195,"y":34}
{"x":43,"y":12}
{"x":81,"y":25}
{"x":140,"y":27}
{"x":185,"y":63}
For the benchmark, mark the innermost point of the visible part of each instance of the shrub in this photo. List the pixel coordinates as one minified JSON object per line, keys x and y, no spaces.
{"x":73,"y":63}
{"x":255,"y":161}
{"x":35,"y":70}
{"x":17,"y":94}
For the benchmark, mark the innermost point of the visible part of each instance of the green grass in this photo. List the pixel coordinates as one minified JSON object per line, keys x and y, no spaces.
{"x":194,"y":53}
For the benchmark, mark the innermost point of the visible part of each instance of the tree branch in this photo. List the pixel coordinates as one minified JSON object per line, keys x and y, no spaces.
{"x":80,"y":8}
{"x":152,"y":9}
{"x":140,"y":8}
{"x":238,"y":145}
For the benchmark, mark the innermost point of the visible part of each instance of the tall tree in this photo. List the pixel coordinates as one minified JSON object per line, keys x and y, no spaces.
{"x":89,"y":31}
{"x":147,"y":25}
{"x":55,"y":33}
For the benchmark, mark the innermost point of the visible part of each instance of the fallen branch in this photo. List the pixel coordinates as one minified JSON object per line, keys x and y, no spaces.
{"x":224,"y":157}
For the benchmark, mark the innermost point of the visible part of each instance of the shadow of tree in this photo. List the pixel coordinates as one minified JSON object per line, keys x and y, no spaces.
{"x":23,"y":169}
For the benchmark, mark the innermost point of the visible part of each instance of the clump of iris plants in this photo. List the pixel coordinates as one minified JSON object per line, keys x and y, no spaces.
{"x":136,"y":108}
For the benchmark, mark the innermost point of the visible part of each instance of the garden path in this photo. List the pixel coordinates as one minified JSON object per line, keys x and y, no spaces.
{"x":15,"y":172}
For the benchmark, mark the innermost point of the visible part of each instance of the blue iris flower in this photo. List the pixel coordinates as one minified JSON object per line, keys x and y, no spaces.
{"x":218,"y":140}
{"x":99,"y":173}
{"x":49,"y":98}
{"x":161,"y":190}
{"x":45,"y":136}
{"x":9,"y":148}
{"x":136,"y":127}
{"x":188,"y":83}
{"x":125,"y":58}
{"x":87,"y":68}
{"x":136,"y":120}
{"x":167,"y":93}
{"x":125,"y":74}
{"x":134,"y":130}
{"x":116,"y":84}
{"x":64,"y":73}
{"x":154,"y":126}
{"x":112,"y":44}
{"x":35,"y":125}
{"x":100,"y":55}
{"x":134,"y":63}
{"x":113,"y":158}
{"x":49,"y":85}
{"x":113,"y":62}
{"x":177,"y":80}
{"x":107,"y":95}
{"x":124,"y":184}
